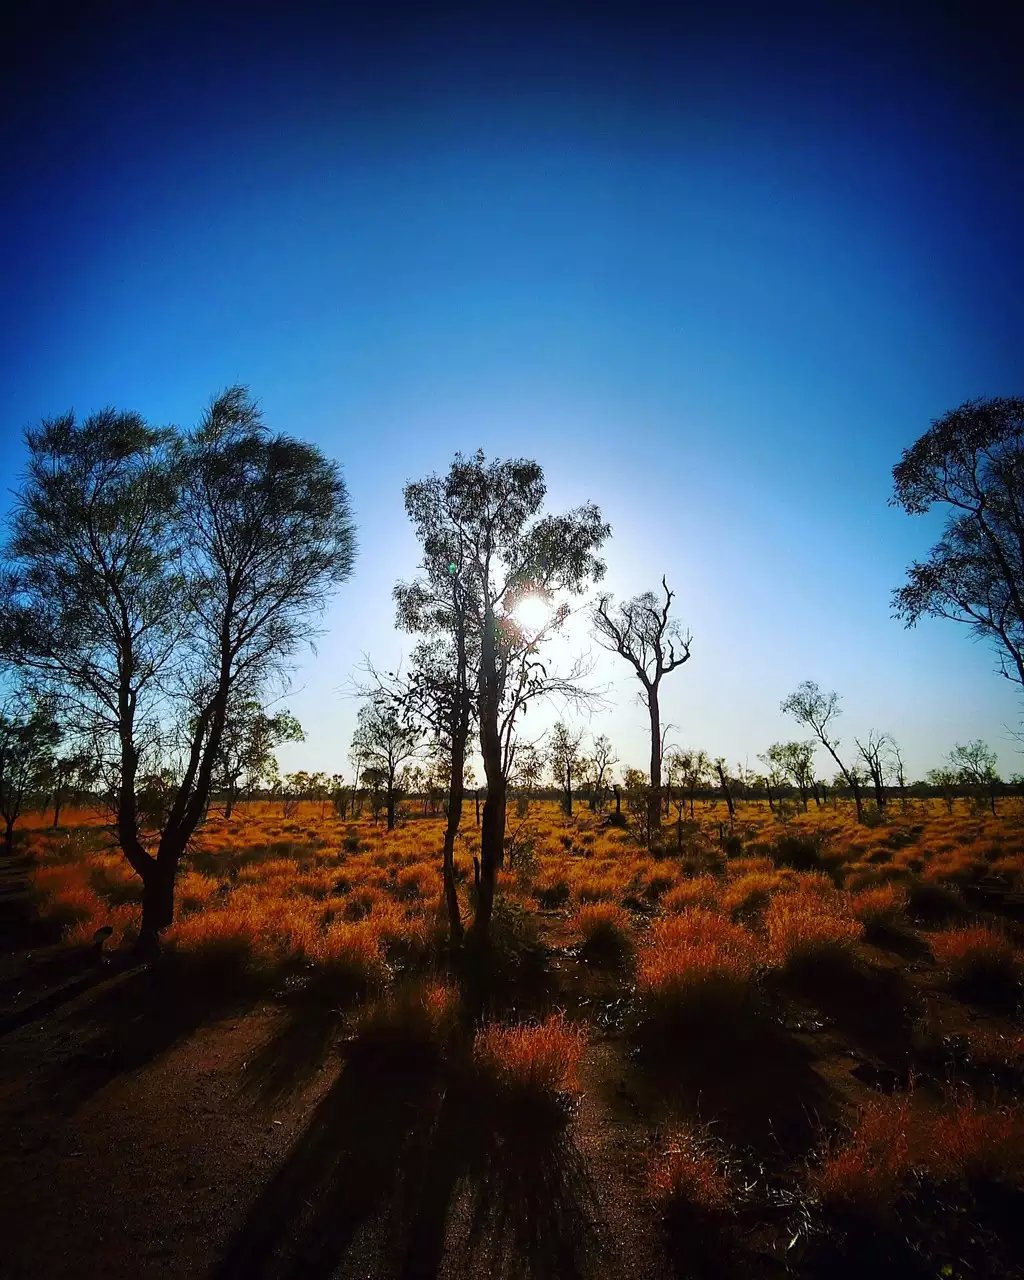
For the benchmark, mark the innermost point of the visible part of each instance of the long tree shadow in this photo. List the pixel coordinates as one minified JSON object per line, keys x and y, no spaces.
{"x":137,"y":1018}
{"x":405,"y":1165}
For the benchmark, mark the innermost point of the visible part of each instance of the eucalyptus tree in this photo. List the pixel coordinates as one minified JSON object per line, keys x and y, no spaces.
{"x":811,"y":706}
{"x":155,"y":577}
{"x":970,"y":464}
{"x":642,"y":631}
{"x":598,"y":766}
{"x":793,"y":762}
{"x":246,"y":754}
{"x":482,"y":523}
{"x":565,"y":755}
{"x":29,"y":737}
{"x":975,"y":765}
{"x":387,"y":744}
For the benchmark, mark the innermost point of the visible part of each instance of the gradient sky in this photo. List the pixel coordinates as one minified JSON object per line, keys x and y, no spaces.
{"x":713,"y":271}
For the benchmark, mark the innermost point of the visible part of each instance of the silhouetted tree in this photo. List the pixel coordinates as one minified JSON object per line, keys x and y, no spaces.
{"x":689,"y":771}
{"x":598,"y":767}
{"x":156,"y":576}
{"x":566,"y":759}
{"x":815,"y":709}
{"x":641,"y":631}
{"x":975,"y":765}
{"x":246,"y":754}
{"x":487,"y":517}
{"x":876,"y":753}
{"x":29,"y":736}
{"x":971,"y":463}
{"x":792,"y":762}
{"x":386,"y":742}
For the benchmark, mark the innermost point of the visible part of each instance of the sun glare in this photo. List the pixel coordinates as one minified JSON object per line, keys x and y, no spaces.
{"x":533,"y":613}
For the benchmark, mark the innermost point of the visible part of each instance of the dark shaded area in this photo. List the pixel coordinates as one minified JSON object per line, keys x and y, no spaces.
{"x":754,"y":1081}
{"x":139,"y":1015}
{"x":875,"y":1009}
{"x":407,"y":1160}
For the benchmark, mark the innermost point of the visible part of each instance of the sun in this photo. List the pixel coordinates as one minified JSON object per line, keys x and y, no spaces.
{"x":533,"y":613}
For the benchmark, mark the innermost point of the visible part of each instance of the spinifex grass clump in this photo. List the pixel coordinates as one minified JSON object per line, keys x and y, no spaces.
{"x":806,"y":930}
{"x":980,"y":961}
{"x":530,"y":1068}
{"x":696,"y":967}
{"x":879,"y":908}
{"x":688,"y":1180}
{"x":606,"y":931}
{"x":895,"y":1144}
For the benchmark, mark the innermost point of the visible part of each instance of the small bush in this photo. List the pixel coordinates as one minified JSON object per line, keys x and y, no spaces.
{"x":530,"y":1066}
{"x":933,"y":903}
{"x":863,"y":1173}
{"x":697,"y":965}
{"x":805,"y":930}
{"x":879,"y":908}
{"x":980,"y":961}
{"x":606,"y":932}
{"x":688,"y":1180}
{"x":798,"y":850}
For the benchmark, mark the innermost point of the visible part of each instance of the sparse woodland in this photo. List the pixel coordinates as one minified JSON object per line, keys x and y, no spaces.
{"x":482,"y":1002}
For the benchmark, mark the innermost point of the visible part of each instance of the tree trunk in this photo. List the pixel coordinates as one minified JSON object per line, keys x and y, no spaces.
{"x":654,"y":802}
{"x":8,"y":836}
{"x":229,"y":803}
{"x":771,"y":799}
{"x":157,"y":904}
{"x":568,"y":791}
{"x":391,"y":808}
{"x":618,"y":801}
{"x":857,"y":799}
{"x":456,"y":791}
{"x":58,"y":804}
{"x":727,"y":792}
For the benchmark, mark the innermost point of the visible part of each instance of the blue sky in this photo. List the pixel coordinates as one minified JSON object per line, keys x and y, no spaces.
{"x":713,"y":272}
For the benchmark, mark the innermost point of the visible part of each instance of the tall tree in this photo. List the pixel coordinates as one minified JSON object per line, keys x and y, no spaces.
{"x":876,"y":752}
{"x":792,"y":762}
{"x":486,"y":518}
{"x":642,"y":631}
{"x":808,"y":705}
{"x":970,"y":463}
{"x":155,"y":576}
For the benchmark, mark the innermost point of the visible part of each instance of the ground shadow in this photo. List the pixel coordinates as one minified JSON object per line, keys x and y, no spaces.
{"x":753,"y":1081}
{"x":299,"y":1045}
{"x":404,"y":1165}
{"x":137,"y":1017}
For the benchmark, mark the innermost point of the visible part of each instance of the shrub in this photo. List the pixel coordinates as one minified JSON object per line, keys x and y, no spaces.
{"x":349,"y":955}
{"x":415,"y":1024}
{"x":696,"y":965}
{"x":701,"y":891}
{"x":977,"y":1143}
{"x":801,"y":851}
{"x":932,"y":903}
{"x":863,"y":1173}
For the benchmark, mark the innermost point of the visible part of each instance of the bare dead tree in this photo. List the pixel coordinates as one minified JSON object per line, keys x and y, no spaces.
{"x":642,"y":631}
